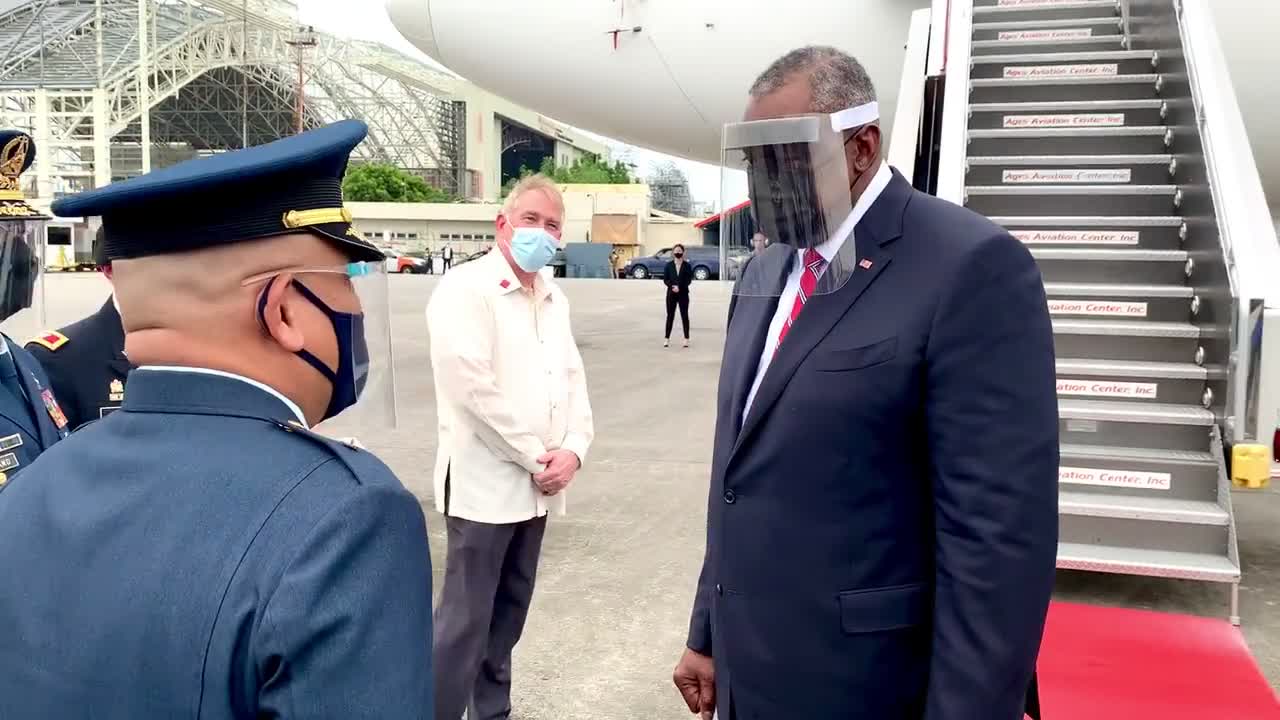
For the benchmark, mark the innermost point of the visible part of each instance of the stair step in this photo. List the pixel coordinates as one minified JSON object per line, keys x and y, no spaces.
{"x":1150,"y":302}
{"x":1109,"y":254}
{"x":1126,"y":328}
{"x":1160,"y":190}
{"x":1128,"y":411}
{"x":1126,"y":79}
{"x":1106,"y":63}
{"x":1024,"y":221}
{"x":1067,"y":57}
{"x":1047,"y":39}
{"x":1097,"y":453}
{"x":1113,"y":265}
{"x":1093,"y":160}
{"x":1130,"y":507}
{"x":1144,"y":381}
{"x":1118,"y":290}
{"x":1148,"y":169}
{"x":1099,"y":84}
{"x":1151,"y":563}
{"x":1068,"y":106}
{"x":1136,"y":369}
{"x":1102,"y":469}
{"x":1073,"y":132}
{"x":1107,"y":21}
{"x":1121,"y":337}
{"x":997,"y":200}
{"x":1143,"y":112}
{"x":1095,"y":231}
{"x":1114,"y":139}
{"x":985,"y":10}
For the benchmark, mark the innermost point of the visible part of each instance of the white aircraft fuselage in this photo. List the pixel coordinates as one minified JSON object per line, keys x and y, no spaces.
{"x":667,"y":74}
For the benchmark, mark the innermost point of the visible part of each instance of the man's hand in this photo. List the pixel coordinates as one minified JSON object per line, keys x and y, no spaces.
{"x":560,"y":467}
{"x":675,"y":288}
{"x":695,"y":678}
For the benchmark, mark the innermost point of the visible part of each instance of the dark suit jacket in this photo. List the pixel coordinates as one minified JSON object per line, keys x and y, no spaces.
{"x":682,"y":278}
{"x":89,"y":371}
{"x":193,"y":555}
{"x":882,"y":530}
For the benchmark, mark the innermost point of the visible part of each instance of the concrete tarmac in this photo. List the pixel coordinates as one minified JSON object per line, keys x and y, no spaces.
{"x":616,"y":581}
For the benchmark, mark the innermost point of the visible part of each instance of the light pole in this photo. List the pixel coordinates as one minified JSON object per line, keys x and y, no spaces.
{"x":304,"y":38}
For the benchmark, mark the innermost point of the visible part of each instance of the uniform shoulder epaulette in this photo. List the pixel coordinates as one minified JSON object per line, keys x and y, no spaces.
{"x":349,"y":452}
{"x":51,"y":340}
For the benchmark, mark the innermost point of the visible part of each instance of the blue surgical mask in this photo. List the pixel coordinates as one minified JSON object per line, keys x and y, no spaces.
{"x":353,"y":352}
{"x":532,"y":248}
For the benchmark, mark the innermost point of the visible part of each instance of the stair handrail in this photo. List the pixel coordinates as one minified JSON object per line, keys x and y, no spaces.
{"x":954,"y":136}
{"x":1245,"y":226}
{"x":905,"y":137}
{"x":1126,"y":14}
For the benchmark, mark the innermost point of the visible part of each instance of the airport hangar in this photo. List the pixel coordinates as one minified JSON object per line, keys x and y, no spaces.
{"x":110,"y":89}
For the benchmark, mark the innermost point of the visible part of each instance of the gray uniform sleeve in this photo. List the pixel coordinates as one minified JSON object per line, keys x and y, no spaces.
{"x":347,"y":633}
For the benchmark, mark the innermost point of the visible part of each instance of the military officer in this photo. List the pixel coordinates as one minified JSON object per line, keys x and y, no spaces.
{"x":201,"y":552}
{"x":30,"y":418}
{"x":85,"y":360}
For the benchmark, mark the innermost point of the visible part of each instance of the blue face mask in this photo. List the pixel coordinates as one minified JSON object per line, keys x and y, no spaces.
{"x":532,"y":248}
{"x":353,"y":352}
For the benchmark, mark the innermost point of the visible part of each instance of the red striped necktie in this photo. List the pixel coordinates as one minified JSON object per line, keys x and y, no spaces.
{"x":813,"y":266}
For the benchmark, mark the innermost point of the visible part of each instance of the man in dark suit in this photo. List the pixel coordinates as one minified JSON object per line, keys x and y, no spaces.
{"x":85,"y":360}
{"x":882,"y":520}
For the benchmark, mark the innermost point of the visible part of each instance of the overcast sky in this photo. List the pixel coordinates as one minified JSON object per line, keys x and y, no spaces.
{"x":367,"y":20}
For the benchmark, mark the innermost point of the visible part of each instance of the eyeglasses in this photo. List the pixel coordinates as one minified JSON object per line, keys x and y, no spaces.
{"x":351,"y":270}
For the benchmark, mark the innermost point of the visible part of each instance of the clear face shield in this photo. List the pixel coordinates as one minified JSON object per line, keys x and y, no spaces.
{"x":21,"y":273}
{"x":375,"y":407}
{"x":786,"y":185}
{"x":364,"y":395}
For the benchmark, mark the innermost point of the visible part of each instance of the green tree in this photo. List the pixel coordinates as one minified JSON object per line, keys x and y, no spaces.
{"x":588,"y":169}
{"x":376,"y":182}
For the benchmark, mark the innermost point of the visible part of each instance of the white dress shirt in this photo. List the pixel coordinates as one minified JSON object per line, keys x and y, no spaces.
{"x":827,"y":250}
{"x":297,"y":411}
{"x":509,"y":387}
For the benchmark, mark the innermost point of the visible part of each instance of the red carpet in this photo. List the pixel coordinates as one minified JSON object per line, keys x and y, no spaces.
{"x":1114,"y":664}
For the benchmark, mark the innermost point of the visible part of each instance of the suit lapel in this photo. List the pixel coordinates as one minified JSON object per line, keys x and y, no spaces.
{"x":752,"y":307}
{"x":750,"y":326}
{"x":881,"y":225}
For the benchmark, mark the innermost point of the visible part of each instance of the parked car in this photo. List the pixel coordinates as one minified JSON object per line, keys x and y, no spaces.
{"x":459,"y":259}
{"x":397,"y":263}
{"x":705,"y":260}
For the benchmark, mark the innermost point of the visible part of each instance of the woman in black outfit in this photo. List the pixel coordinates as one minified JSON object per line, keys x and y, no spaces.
{"x":677,"y":276}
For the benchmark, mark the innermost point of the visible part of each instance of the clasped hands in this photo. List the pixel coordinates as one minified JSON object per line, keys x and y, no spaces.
{"x":560,"y":466}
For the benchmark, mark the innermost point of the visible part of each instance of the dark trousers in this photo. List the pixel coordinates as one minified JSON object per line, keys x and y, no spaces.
{"x":680,"y":300}
{"x":488,"y":583}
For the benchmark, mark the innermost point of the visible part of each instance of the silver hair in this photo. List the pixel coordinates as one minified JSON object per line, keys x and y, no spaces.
{"x":836,"y":79}
{"x":537,"y":181}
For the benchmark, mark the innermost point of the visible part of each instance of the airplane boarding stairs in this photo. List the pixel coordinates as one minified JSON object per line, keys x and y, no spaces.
{"x":1081,"y":138}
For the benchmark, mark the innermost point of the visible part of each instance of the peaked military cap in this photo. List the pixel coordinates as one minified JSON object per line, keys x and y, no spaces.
{"x":287,"y":186}
{"x":17,"y":152}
